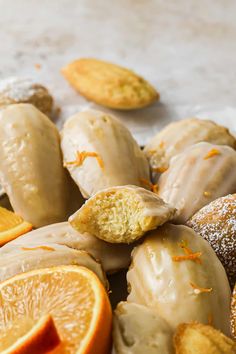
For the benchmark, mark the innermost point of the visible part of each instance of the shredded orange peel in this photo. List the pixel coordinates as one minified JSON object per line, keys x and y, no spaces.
{"x":81,"y":156}
{"x":212,"y":153}
{"x":45,"y":248}
{"x":153,"y":187}
{"x":199,"y":290}
{"x":189,"y":254}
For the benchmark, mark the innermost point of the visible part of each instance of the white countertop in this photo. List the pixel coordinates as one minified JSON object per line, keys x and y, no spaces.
{"x":186,"y":48}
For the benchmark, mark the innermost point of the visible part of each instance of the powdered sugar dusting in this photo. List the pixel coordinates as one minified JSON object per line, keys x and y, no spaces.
{"x":216,"y":223}
{"x":17,"y":89}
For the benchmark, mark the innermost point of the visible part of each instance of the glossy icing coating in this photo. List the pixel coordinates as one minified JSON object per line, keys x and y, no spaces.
{"x":138,"y":329}
{"x":121,"y":160}
{"x":31,"y":169}
{"x":195,"y":177}
{"x":112,"y":257}
{"x":15,"y":259}
{"x":179,"y":289}
{"x":177,"y":136}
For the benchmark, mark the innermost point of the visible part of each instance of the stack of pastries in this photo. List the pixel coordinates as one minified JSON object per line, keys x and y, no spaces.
{"x":166,"y":213}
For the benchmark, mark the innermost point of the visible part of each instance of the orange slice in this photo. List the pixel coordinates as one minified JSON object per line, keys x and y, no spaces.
{"x":72,"y":295}
{"x":25,"y":337}
{"x":11,"y":226}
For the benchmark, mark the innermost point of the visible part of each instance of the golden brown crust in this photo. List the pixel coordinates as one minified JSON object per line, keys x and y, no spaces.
{"x":109,"y":85}
{"x":196,"y":338}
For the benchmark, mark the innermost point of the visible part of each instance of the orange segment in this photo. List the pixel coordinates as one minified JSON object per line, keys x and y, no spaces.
{"x":72,"y":295}
{"x":26,"y":337}
{"x":11,"y":226}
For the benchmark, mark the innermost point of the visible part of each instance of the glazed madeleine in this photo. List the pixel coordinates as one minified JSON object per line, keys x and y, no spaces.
{"x":177,"y":136}
{"x":121,"y":214}
{"x":176,"y":272}
{"x":195,"y":177}
{"x":16,"y":259}
{"x":100,"y":152}
{"x":31,"y":168}
{"x":138,"y":329}
{"x":216,"y":223}
{"x":112,"y":257}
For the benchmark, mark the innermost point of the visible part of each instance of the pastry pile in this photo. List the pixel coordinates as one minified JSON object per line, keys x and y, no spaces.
{"x":166,"y":214}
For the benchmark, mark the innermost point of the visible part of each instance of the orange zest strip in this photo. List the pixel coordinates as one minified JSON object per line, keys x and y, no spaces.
{"x":199,"y":290}
{"x":189,"y":254}
{"x":153,"y":187}
{"x":159,"y":169}
{"x":81,"y":156}
{"x":45,"y":248}
{"x":211,"y":153}
{"x":191,"y":257}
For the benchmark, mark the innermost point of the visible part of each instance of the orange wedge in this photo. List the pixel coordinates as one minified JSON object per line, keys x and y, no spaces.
{"x":11,"y":226}
{"x":72,"y":295}
{"x":27,"y":338}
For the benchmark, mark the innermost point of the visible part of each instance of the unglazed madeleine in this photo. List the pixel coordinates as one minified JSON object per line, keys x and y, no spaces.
{"x":31,"y":169}
{"x":112,"y":257}
{"x":233,"y":313}
{"x":121,"y":214}
{"x":176,"y":272}
{"x":216,"y":222}
{"x":177,"y":136}
{"x":109,"y":85}
{"x":200,"y":174}
{"x":138,"y":329}
{"x":15,"y":259}
{"x":24,"y":90}
{"x":196,"y":338}
{"x":100,"y":152}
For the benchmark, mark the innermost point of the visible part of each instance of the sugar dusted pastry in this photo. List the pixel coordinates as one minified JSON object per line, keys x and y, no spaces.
{"x":121,"y":214}
{"x":216,"y":222}
{"x":177,"y":136}
{"x":112,"y":257}
{"x":137,"y":329}
{"x":15,"y":259}
{"x":100,"y":152}
{"x":31,"y":169}
{"x":233,"y":313}
{"x":196,"y":338}
{"x":109,"y":85}
{"x":24,"y":90}
{"x":195,"y":177}
{"x":177,"y":273}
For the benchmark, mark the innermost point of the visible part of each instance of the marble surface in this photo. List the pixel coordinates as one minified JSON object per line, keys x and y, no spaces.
{"x":186,"y":48}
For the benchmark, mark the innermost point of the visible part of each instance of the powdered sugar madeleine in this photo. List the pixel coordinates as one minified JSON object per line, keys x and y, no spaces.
{"x":16,"y":259}
{"x":196,"y":338}
{"x":177,"y":136}
{"x":25,"y":90}
{"x":177,"y":273}
{"x":112,"y":257}
{"x":138,"y":329}
{"x":109,"y":85}
{"x":195,"y":177}
{"x":121,"y":214}
{"x":216,"y":223}
{"x":100,"y":152}
{"x":31,"y":168}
